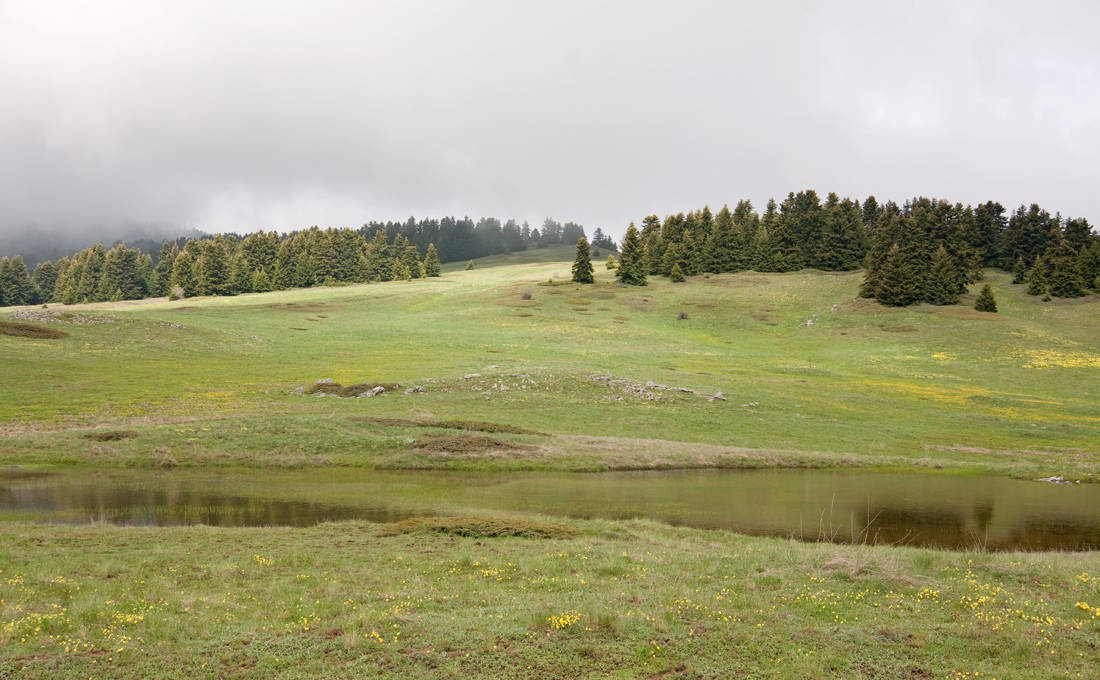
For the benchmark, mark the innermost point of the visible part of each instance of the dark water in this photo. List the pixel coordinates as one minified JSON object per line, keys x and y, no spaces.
{"x":904,"y":508}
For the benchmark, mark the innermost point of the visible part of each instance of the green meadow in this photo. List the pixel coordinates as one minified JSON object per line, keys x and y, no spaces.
{"x":810,"y":374}
{"x":509,"y":366}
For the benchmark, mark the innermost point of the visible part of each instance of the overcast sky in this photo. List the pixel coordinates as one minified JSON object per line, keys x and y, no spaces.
{"x":236,"y":116}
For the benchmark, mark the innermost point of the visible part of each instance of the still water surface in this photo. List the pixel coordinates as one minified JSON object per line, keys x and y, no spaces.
{"x":906,"y":508}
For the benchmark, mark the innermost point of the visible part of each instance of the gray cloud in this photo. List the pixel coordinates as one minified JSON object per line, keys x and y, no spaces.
{"x":282,"y":115}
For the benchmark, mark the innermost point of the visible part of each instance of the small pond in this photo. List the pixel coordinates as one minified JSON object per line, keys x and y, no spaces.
{"x":935,"y":509}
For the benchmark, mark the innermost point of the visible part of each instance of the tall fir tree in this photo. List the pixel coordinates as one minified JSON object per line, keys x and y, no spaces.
{"x":631,"y":269}
{"x":895,"y":285}
{"x":431,"y":261}
{"x":943,"y":280}
{"x":582,"y":263}
{"x":45,"y":280}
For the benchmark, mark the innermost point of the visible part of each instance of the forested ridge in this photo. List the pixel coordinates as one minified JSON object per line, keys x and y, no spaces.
{"x":926,"y":250}
{"x":228,"y":264}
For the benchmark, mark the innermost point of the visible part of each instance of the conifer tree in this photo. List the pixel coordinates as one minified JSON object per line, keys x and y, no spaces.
{"x":261,"y":283}
{"x":985,"y":301}
{"x":676,"y":275}
{"x":89,"y":287}
{"x":410,"y":258}
{"x":651,"y":244}
{"x":1037,"y":277}
{"x":582,"y":263}
{"x":19,"y":289}
{"x":122,"y":273}
{"x":895,"y":286}
{"x":45,"y":280}
{"x":1063,"y":279}
{"x":431,"y":261}
{"x":183,"y":269}
{"x":1019,"y":271}
{"x":943,"y":279}
{"x":305,"y":270}
{"x":212,"y":269}
{"x":610,"y":264}
{"x":240,"y":279}
{"x":722,"y":246}
{"x":284,"y":274}
{"x":631,"y":267}
{"x":377,"y":259}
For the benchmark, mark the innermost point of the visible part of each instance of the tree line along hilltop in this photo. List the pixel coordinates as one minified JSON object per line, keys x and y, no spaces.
{"x":228,"y":264}
{"x":925,"y":250}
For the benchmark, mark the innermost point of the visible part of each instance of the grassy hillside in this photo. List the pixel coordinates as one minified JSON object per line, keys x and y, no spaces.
{"x":520,"y":369}
{"x":811,"y":375}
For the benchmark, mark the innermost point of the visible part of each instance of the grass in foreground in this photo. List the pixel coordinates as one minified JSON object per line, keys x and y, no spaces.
{"x":592,"y":599}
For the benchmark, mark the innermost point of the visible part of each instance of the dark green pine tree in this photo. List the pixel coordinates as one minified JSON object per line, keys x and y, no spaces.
{"x":896,"y":286}
{"x":305,"y":270}
{"x":431,"y":261}
{"x":376,"y":260}
{"x":1063,"y":278}
{"x":1088,"y":264}
{"x":286,"y":266}
{"x":631,"y":269}
{"x":943,"y":279}
{"x":1037,"y":276}
{"x":261,"y":282}
{"x":20,"y":288}
{"x":722,"y":246}
{"x":985,"y":301}
{"x":411,"y":260}
{"x":582,"y":263}
{"x":68,"y":274}
{"x":88,"y":288}
{"x":45,"y":280}
{"x":240,"y":278}
{"x":212,"y":269}
{"x":677,"y":274}
{"x":347,"y":245}
{"x":1019,"y":271}
{"x":122,"y":273}
{"x":842,"y":242}
{"x":162,"y":272}
{"x":652,"y":244}
{"x":675,"y":258}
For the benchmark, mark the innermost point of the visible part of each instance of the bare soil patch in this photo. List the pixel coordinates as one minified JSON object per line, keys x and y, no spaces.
{"x":463,"y":443}
{"x":30,"y":330}
{"x":477,"y":527}
{"x":111,"y":435}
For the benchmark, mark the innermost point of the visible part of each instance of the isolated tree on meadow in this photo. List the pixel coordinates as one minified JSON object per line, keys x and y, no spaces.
{"x":610,"y":264}
{"x":985,"y":301}
{"x":631,"y":269}
{"x":582,"y":263}
{"x":677,"y":274}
